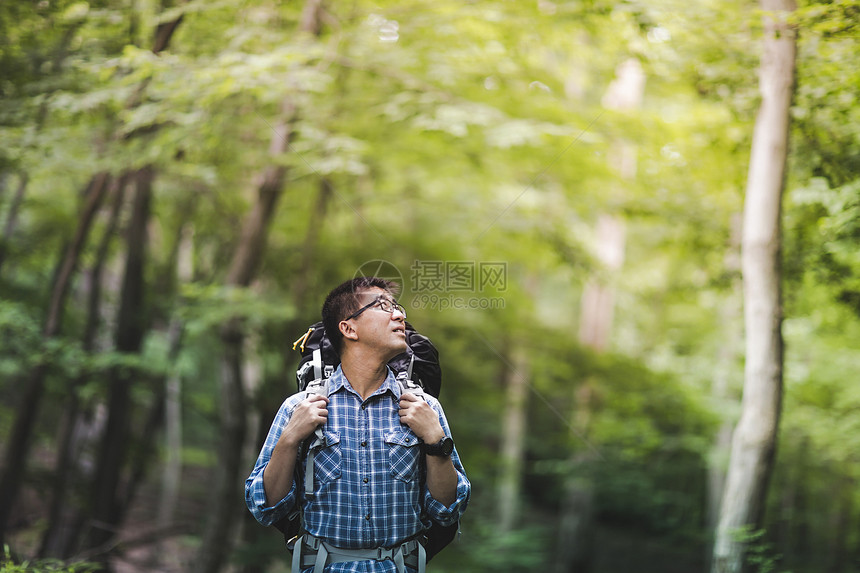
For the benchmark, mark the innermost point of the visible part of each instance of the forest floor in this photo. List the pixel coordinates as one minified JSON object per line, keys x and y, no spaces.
{"x":142,"y":546}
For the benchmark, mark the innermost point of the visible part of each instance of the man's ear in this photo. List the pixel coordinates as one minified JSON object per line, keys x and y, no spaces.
{"x":347,"y":330}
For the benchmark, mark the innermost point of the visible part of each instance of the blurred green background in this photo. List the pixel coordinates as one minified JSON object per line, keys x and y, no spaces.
{"x":556,"y":184}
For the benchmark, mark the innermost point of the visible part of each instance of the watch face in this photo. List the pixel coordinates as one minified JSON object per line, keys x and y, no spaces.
{"x":443,"y":447}
{"x":447,"y":446}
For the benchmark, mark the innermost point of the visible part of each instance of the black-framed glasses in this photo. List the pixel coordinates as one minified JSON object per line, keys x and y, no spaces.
{"x":384,"y":304}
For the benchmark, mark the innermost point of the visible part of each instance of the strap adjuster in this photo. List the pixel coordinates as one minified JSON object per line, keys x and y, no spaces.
{"x":383,"y":554}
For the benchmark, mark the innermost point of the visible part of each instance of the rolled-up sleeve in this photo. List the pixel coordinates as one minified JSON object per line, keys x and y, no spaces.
{"x":255,"y":492}
{"x":436,"y":510}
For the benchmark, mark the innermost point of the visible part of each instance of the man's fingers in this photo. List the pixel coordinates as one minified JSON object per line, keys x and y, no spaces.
{"x":310,"y":413}
{"x":316,"y":398}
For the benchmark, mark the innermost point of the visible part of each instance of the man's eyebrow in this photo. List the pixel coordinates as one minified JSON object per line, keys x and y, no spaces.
{"x":380,"y":298}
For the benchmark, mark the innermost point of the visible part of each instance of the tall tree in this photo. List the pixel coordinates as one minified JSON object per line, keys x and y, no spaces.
{"x":172,"y":471}
{"x":12,"y":216}
{"x":598,"y":306}
{"x":516,"y":381}
{"x":221,"y":516}
{"x":108,"y":496}
{"x":64,"y":522}
{"x":727,"y":358}
{"x":754,"y":440}
{"x":20,"y":439}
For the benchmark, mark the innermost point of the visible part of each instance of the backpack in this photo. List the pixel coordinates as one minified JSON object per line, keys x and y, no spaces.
{"x":417,"y":370}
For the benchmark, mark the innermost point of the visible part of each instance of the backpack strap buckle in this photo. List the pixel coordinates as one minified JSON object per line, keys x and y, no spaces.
{"x":383,"y":554}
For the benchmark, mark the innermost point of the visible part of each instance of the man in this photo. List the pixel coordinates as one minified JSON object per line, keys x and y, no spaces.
{"x":386,"y":462}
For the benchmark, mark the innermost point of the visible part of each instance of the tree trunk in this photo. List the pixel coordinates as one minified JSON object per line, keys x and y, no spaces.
{"x":172,"y":471}
{"x":721,"y":387}
{"x":61,"y":533}
{"x":598,"y":303}
{"x":171,"y":476}
{"x":575,"y":530}
{"x":598,"y":306}
{"x":516,"y":381}
{"x":840,"y":525}
{"x":221,"y":516}
{"x":268,"y":396}
{"x":300,"y":285}
{"x":754,"y":441}
{"x":12,"y":216}
{"x":132,"y":323}
{"x":20,"y":437}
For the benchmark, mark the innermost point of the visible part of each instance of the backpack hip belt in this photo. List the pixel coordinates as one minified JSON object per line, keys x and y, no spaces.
{"x":313,"y":551}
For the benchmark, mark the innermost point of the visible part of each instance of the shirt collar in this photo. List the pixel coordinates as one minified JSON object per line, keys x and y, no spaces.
{"x":338,"y":381}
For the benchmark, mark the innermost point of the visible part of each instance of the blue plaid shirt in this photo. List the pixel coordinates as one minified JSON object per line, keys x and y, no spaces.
{"x":369,"y":489}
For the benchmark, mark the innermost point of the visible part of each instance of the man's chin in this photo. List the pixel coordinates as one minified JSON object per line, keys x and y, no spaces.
{"x":397,"y":351}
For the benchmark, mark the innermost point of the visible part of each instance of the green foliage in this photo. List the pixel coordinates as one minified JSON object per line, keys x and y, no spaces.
{"x":446,"y":132}
{"x":21,"y":335}
{"x":760,"y":556}
{"x":482,"y":548}
{"x":7,"y":565}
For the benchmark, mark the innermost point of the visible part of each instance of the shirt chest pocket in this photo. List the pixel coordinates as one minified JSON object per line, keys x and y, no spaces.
{"x":327,"y":459}
{"x":403,"y":455}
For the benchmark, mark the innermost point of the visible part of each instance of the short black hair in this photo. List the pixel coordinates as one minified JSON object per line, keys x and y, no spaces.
{"x":345,"y":299}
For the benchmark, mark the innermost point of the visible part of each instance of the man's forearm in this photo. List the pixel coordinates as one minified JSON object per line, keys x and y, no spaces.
{"x":442,"y":479}
{"x":278,"y":475}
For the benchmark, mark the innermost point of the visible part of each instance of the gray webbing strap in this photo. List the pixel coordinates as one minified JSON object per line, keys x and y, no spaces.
{"x":296,"y":565}
{"x":317,"y":356}
{"x":411,"y":553}
{"x":422,"y":559}
{"x":318,"y":386}
{"x":309,"y":475}
{"x":319,"y":441}
{"x":322,"y":557}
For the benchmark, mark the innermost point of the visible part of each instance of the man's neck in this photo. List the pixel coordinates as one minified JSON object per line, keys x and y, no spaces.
{"x":365,"y":373}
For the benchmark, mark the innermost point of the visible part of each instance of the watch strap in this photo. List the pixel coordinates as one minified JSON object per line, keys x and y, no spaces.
{"x":442,"y":448}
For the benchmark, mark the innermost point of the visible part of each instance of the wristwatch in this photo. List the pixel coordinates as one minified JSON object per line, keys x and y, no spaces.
{"x":442,"y":448}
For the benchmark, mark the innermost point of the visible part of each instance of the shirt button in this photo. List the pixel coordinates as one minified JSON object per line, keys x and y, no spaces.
{"x":367,"y":517}
{"x":363,"y":444}
{"x":365,"y":480}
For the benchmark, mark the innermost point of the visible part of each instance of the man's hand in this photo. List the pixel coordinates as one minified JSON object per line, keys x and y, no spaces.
{"x":424,"y":421}
{"x":306,"y":417}
{"x":421,"y":418}
{"x":311,"y":413}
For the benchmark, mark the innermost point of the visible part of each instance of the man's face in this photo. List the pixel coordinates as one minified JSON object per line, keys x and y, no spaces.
{"x":377,"y":327}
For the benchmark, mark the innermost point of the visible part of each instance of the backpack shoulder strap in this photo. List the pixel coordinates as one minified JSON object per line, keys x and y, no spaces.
{"x":320,"y":386}
{"x":404,"y":379}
